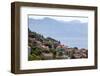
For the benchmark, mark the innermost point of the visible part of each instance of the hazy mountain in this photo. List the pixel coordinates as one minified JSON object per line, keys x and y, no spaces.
{"x":74,"y":33}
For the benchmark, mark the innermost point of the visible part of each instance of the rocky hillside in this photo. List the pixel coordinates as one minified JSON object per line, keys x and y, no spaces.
{"x":41,"y":48}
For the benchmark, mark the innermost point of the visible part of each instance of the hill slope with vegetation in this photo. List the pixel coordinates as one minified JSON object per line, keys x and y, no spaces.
{"x":41,"y":48}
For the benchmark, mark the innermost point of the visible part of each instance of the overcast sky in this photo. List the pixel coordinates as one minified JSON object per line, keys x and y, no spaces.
{"x":66,"y":18}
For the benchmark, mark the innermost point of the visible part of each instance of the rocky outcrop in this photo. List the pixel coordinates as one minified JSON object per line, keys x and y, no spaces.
{"x":41,"y":48}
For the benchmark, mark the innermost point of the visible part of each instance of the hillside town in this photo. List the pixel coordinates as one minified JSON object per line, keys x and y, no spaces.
{"x":41,"y":48}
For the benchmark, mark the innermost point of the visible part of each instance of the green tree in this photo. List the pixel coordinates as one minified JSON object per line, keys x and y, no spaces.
{"x":54,"y":52}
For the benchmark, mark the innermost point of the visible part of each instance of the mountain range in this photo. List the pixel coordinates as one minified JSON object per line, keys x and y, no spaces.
{"x":72,"y":33}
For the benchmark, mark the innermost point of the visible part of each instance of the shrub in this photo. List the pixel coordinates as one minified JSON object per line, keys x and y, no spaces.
{"x":33,"y":57}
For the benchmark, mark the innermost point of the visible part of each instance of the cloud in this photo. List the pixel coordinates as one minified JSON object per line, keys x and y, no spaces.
{"x":63,"y":18}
